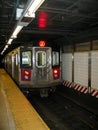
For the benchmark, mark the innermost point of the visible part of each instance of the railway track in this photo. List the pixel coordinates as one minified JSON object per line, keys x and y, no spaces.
{"x":60,"y":113}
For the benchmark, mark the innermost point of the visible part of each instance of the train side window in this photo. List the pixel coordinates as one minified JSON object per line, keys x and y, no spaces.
{"x":41,"y":59}
{"x":26,"y":57}
{"x":55,"y":58}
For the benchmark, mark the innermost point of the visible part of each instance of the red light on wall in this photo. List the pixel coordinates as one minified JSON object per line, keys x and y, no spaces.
{"x":42,"y":20}
{"x":42,"y":43}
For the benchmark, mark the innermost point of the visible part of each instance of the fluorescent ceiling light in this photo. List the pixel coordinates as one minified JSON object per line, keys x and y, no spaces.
{"x":9,"y":41}
{"x":6,"y":46}
{"x":30,"y":10}
{"x":16,"y":31}
{"x":32,"y":7}
{"x":2,"y":53}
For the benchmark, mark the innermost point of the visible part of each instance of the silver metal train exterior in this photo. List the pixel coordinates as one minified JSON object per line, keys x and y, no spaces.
{"x":34,"y":68}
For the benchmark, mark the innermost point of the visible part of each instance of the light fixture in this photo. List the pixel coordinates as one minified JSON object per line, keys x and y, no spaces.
{"x":6,"y":46}
{"x":32,"y":7}
{"x":9,"y":41}
{"x":29,"y":12}
{"x":16,"y":31}
{"x":2,"y":52}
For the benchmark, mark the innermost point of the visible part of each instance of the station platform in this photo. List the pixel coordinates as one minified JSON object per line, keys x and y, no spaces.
{"x":16,"y":113}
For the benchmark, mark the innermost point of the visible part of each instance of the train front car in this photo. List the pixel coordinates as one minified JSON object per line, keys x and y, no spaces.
{"x":35,"y":68}
{"x":40,"y":69}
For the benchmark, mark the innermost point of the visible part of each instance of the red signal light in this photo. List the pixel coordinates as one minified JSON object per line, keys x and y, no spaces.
{"x":42,"y":20}
{"x":55,"y":71}
{"x":26,"y":72}
{"x":42,"y":43}
{"x":26,"y":75}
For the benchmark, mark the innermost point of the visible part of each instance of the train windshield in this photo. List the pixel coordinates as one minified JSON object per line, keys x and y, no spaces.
{"x":41,"y":59}
{"x":55,"y":56}
{"x":26,"y":59}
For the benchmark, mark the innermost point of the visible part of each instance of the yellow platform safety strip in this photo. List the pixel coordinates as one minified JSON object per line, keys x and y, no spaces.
{"x":24,"y":115}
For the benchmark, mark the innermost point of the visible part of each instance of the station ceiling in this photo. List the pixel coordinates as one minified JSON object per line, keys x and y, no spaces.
{"x":65,"y":21}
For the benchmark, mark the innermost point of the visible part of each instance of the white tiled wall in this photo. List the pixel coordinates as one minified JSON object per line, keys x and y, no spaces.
{"x":94,"y":69}
{"x":67,"y":66}
{"x":81,"y":68}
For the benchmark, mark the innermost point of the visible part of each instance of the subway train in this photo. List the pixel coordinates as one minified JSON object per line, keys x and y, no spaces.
{"x":35,"y":68}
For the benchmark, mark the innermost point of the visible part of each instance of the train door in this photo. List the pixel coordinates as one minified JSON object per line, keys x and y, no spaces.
{"x":42,"y":65}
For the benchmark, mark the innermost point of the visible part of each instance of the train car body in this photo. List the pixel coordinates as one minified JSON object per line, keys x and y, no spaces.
{"x":34,"y":68}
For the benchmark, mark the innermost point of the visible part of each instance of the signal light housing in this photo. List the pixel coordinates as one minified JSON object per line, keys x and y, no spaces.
{"x":56,"y":73}
{"x":25,"y":75}
{"x":42,"y":43}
